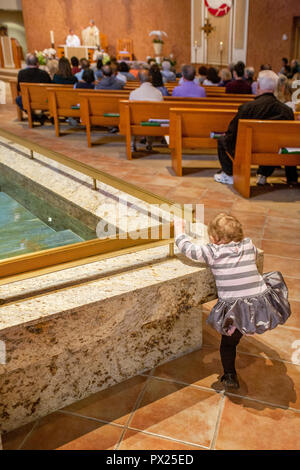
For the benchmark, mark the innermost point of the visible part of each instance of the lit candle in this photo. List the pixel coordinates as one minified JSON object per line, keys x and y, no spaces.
{"x":52,"y":37}
{"x":221,"y":45}
{"x":196,"y":43}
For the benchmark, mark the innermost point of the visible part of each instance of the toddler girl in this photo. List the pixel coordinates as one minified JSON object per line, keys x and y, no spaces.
{"x":248,"y":302}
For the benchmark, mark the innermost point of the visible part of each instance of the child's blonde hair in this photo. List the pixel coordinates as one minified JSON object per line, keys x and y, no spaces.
{"x":225,"y":228}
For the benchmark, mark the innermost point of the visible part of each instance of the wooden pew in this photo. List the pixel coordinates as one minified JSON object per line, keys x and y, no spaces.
{"x":132,"y":113}
{"x":93,"y":108}
{"x":13,"y":83}
{"x":237,"y":99}
{"x":34,"y":97}
{"x":63,"y":103}
{"x":191,"y":128}
{"x":258,"y":143}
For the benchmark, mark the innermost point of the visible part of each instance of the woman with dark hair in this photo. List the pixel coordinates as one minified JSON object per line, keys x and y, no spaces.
{"x":202,"y":74}
{"x":124,"y":70}
{"x":75,"y":65}
{"x":98,"y":70}
{"x":212,"y":77}
{"x":157,"y":80}
{"x":87,"y":80}
{"x":64,"y":74}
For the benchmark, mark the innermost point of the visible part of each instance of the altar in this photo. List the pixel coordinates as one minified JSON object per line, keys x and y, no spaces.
{"x":78,"y":51}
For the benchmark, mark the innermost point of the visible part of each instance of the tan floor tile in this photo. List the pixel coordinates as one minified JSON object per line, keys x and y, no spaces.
{"x":293,"y":287}
{"x":200,"y":368}
{"x":248,"y":425}
{"x":113,"y":404}
{"x":134,"y":440}
{"x":268,"y":380}
{"x":103,"y":438}
{"x":13,"y":439}
{"x":289,"y":250}
{"x":287,"y":266}
{"x":58,"y":429}
{"x":282,"y":229}
{"x":294,"y":320}
{"x":176,"y":411}
{"x":278,"y":344}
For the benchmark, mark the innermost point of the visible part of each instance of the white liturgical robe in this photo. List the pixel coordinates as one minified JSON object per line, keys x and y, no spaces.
{"x":73,"y":40}
{"x":90,"y":36}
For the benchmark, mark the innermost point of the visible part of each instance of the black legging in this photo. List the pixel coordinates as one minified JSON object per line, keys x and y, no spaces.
{"x":228,"y":351}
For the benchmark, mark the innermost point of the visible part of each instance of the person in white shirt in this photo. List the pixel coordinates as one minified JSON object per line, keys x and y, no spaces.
{"x":146,"y":92}
{"x":72,"y":39}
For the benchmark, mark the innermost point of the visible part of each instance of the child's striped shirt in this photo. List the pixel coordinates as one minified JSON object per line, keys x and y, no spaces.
{"x":233,"y":266}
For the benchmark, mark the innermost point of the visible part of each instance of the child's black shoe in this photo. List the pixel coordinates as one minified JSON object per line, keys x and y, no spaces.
{"x":230,"y":381}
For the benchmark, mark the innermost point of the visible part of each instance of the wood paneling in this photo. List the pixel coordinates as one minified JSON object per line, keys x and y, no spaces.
{"x":115,"y":18}
{"x":197,"y":22}
{"x":268,"y":21}
{"x":240,"y":24}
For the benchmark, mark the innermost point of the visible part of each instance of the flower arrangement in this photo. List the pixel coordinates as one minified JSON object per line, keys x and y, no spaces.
{"x":41,"y":57}
{"x":45,"y":55}
{"x":159,"y":36}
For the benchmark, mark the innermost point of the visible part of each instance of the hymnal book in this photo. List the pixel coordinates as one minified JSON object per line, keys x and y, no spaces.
{"x":216,"y":135}
{"x":152,"y":124}
{"x":76,"y":107}
{"x":160,"y":121}
{"x":111,"y":115}
{"x":287,"y":150}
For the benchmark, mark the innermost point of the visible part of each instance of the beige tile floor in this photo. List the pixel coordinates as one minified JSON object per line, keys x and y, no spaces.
{"x":177,"y":406}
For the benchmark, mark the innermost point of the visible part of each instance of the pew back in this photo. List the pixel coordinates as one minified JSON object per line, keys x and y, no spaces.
{"x":192,"y":128}
{"x":258,"y":143}
{"x":98,"y":109}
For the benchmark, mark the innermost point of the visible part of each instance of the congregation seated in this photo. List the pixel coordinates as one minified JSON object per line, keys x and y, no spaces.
{"x":84,"y":65}
{"x":212,"y":77}
{"x":87,"y":80}
{"x":202,"y":74}
{"x":225,"y":77}
{"x":135,"y":70}
{"x":119,"y":76}
{"x":295,"y":68}
{"x":284,"y":91}
{"x":264,"y":107}
{"x":238,"y":85}
{"x":286,"y":68}
{"x":75,"y":65}
{"x":249,"y":78}
{"x":167,"y":74}
{"x":64,"y":74}
{"x":146,"y":91}
{"x":32,"y":73}
{"x":157,"y":80}
{"x":98,"y":70}
{"x":109,"y":80}
{"x":124,"y":70}
{"x":189,"y":89}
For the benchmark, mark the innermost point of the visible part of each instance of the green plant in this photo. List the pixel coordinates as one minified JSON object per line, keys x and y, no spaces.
{"x":158,"y":41}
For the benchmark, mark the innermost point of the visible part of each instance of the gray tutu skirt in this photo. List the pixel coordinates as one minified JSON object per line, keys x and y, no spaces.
{"x":254,"y":314}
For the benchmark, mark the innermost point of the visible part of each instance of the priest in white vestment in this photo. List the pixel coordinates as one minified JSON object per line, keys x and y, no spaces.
{"x":72,"y":39}
{"x":91,"y":35}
